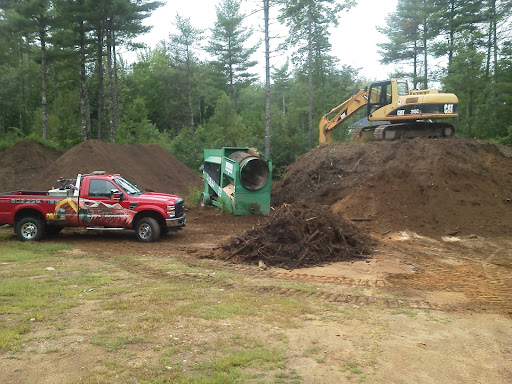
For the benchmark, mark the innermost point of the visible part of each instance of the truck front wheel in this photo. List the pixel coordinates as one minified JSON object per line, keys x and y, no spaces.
{"x":29,"y":229}
{"x":147,"y":230}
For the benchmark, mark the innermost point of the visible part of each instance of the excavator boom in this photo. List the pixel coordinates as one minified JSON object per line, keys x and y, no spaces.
{"x":341,"y":112}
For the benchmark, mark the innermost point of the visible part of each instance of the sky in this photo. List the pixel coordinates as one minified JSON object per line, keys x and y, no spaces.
{"x":354,"y":41}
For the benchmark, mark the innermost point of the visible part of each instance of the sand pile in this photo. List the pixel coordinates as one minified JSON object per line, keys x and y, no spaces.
{"x":435,"y":187}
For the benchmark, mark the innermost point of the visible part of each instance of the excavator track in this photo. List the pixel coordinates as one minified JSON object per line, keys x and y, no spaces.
{"x":403,"y":130}
{"x":363,"y":133}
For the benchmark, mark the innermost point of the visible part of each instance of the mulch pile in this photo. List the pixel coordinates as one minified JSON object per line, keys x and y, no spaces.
{"x":434,"y":187}
{"x":150,"y":167}
{"x":299,"y":235}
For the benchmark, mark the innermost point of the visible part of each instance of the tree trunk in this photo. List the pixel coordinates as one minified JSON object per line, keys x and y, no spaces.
{"x":231,"y":83}
{"x":310,"y":77}
{"x":266,"y":10}
{"x":491,"y":40}
{"x":425,"y":56}
{"x":101,"y":84}
{"x":451,"y":43}
{"x":189,"y":90}
{"x":84,"y":92}
{"x":117,"y":114}
{"x":23,"y":101}
{"x":110,"y":83}
{"x":495,"y":42}
{"x":470,"y":104}
{"x":44,"y":85}
{"x":415,"y":74}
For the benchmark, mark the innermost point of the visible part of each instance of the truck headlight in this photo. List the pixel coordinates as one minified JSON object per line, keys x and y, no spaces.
{"x":171,"y":210}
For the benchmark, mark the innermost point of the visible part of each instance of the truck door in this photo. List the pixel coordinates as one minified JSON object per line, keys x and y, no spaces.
{"x":105,"y":206}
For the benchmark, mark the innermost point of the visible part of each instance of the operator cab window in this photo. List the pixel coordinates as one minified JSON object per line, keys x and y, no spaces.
{"x":380,"y":95}
{"x":403,"y":88}
{"x":100,"y":188}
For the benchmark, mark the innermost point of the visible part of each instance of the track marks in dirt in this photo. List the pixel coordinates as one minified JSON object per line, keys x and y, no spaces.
{"x":321,"y":293}
{"x":378,"y":283}
{"x":480,"y":270}
{"x":466,"y":276}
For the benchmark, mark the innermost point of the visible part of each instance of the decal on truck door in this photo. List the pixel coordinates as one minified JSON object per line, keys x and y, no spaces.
{"x":102,"y":213}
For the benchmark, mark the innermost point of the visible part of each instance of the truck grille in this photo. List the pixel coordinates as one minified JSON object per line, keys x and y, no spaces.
{"x":179,"y":207}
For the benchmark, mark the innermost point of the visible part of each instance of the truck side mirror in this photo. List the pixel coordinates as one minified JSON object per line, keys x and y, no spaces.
{"x":115,"y":194}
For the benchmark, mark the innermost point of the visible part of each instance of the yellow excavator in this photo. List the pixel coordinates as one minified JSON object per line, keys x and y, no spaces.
{"x":394,"y":111}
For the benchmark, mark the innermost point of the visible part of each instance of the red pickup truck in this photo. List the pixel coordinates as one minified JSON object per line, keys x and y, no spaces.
{"x":95,"y":201}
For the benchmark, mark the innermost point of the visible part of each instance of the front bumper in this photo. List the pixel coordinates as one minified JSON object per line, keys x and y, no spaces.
{"x":176,"y":223}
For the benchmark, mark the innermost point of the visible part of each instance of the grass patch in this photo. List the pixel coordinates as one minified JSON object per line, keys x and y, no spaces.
{"x":17,"y":251}
{"x":406,"y":312}
{"x":154,"y":319}
{"x":194,"y":195}
{"x":10,"y":336}
{"x":114,"y":341}
{"x":33,"y":295}
{"x":352,"y":366}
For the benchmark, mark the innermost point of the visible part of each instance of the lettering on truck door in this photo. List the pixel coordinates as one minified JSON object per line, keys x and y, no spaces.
{"x":101,"y":208}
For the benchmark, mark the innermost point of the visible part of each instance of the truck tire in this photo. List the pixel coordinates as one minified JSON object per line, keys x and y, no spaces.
{"x":147,"y":230}
{"x":30,"y":229}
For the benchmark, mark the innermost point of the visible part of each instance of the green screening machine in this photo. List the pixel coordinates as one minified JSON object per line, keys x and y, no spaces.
{"x":237,"y":179}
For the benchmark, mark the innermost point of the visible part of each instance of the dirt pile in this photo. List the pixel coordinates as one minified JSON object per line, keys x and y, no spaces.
{"x":22,"y":162}
{"x":149,"y":166}
{"x":30,"y":165}
{"x":435,"y":187}
{"x":299,"y":235}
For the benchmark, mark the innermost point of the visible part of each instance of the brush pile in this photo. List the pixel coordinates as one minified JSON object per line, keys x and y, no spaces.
{"x":299,"y":235}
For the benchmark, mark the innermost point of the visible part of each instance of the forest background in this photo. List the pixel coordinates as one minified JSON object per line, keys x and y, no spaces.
{"x":62,"y":80}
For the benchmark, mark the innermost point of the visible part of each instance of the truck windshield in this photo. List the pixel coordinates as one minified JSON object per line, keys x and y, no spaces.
{"x":128,"y":187}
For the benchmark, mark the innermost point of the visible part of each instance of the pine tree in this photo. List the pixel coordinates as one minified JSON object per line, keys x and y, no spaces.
{"x":308,"y":23}
{"x":183,"y":46}
{"x":266,"y":17}
{"x":281,"y":79}
{"x":452,"y":19}
{"x":410,"y":31}
{"x":232,"y":59}
{"x":34,"y":18}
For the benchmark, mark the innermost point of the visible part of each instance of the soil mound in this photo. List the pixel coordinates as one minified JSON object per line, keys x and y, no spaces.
{"x":22,"y":162}
{"x":435,"y":187}
{"x":151,"y":167}
{"x":299,"y":235}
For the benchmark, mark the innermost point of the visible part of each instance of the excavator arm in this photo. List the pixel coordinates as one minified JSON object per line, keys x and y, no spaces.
{"x":341,"y":112}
